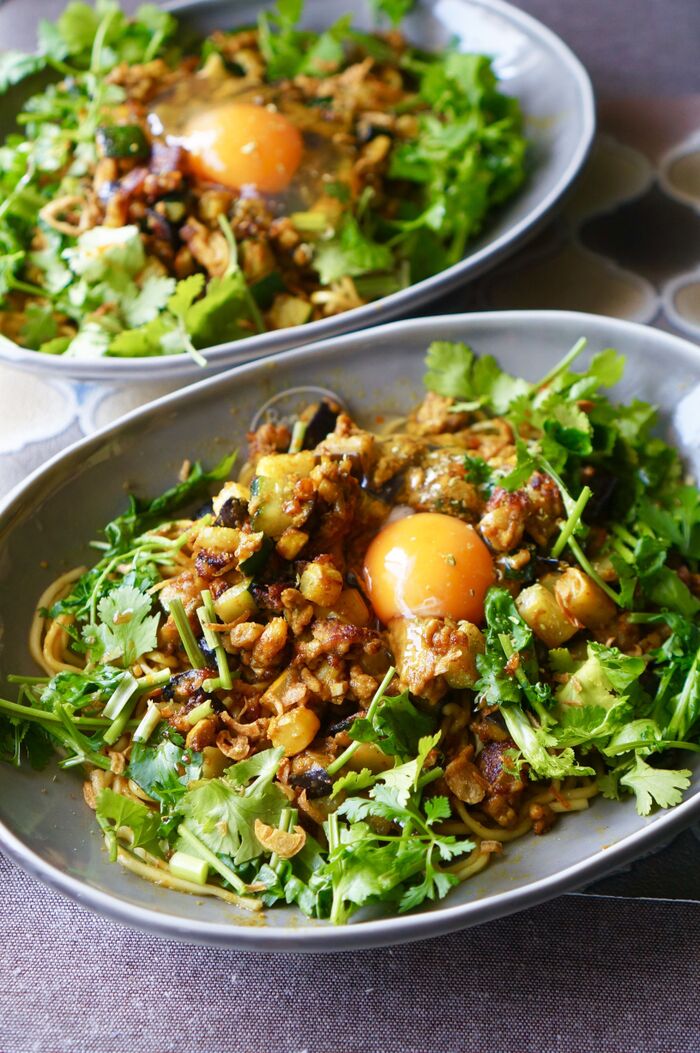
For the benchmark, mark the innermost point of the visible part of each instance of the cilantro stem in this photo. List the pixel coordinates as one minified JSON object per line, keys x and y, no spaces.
{"x":45,"y":717}
{"x":585,"y":563}
{"x":572,"y":522}
{"x":207,"y":614}
{"x":120,"y":696}
{"x":288,"y":818}
{"x":570,"y":506}
{"x":200,"y":712}
{"x":563,"y":363}
{"x":345,"y":756}
{"x":29,"y":289}
{"x":99,"y":41}
{"x":682,"y":718}
{"x":624,"y":534}
{"x":567,"y":499}
{"x":428,"y":777}
{"x":151,"y":680}
{"x":116,"y":729}
{"x":189,"y":641}
{"x":72,"y":738}
{"x":234,"y":268}
{"x":509,"y":651}
{"x":204,"y":852}
{"x":298,"y":433}
{"x":154,"y":46}
{"x":149,"y":722}
{"x":189,"y":346}
{"x":333,"y":832}
{"x":13,"y":678}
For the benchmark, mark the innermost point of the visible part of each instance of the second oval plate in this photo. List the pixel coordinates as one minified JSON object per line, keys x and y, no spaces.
{"x":532,"y":64}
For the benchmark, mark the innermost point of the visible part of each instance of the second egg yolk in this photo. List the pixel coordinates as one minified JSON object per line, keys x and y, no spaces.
{"x":428,"y":565}
{"x":241,"y":144}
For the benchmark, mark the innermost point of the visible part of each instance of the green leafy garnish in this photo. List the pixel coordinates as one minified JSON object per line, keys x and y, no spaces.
{"x":222,"y":812}
{"x":115,"y":811}
{"x":655,"y":785}
{"x":395,"y":727}
{"x":126,"y":629}
{"x":163,"y":768}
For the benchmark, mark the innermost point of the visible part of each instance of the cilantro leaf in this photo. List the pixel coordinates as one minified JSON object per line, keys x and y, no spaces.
{"x":107,"y":252}
{"x":289,"y":51}
{"x":163,"y":769}
{"x":224,"y":312}
{"x":222,"y":813}
{"x":261,"y":766}
{"x":140,"y":306}
{"x":350,"y":252}
{"x":19,"y":739}
{"x":15,"y":66}
{"x":394,"y":10}
{"x":40,"y":325}
{"x":437,"y":808}
{"x":126,"y":630}
{"x":679,"y":523}
{"x":655,"y":785}
{"x":454,"y":370}
{"x":115,"y":811}
{"x":354,"y":781}
{"x":396,"y":726}
{"x":536,"y":745}
{"x":77,"y":26}
{"x":185,"y":294}
{"x":80,"y":689}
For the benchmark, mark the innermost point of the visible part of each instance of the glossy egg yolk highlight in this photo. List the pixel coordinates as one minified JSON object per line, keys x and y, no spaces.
{"x":241,"y":144}
{"x":428,"y":565}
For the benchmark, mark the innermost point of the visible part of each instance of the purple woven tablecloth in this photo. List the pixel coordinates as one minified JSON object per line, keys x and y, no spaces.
{"x":616,"y":970}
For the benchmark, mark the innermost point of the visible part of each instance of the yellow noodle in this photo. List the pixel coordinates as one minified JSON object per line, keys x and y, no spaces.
{"x":55,"y":656}
{"x":55,"y":591}
{"x":473,"y":864}
{"x":492,"y":833}
{"x":578,"y":805}
{"x":162,"y":660}
{"x":587,"y":790}
{"x":163,"y":877}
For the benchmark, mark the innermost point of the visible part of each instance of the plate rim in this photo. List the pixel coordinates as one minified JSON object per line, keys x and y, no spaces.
{"x":385,"y":931}
{"x":226,"y":355}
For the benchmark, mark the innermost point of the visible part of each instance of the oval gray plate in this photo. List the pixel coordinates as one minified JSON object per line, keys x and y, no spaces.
{"x":44,"y":823}
{"x":533,"y":64}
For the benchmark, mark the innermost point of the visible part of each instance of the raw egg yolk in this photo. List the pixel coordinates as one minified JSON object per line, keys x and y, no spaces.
{"x":241,"y":144}
{"x":428,"y":565}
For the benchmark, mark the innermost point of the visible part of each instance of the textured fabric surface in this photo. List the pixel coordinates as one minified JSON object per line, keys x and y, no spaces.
{"x":580,"y":975}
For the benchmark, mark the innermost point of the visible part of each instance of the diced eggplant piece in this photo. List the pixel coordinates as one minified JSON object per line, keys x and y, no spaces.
{"x":342,"y":725}
{"x":316,"y":781}
{"x":161,"y":226}
{"x":184,"y":686}
{"x":233,"y":513}
{"x":321,"y":424}
{"x":203,"y":510}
